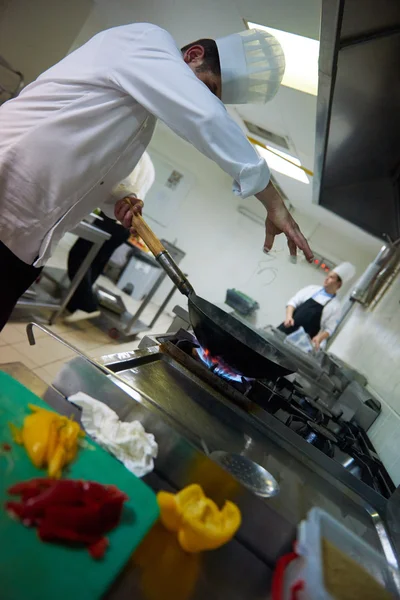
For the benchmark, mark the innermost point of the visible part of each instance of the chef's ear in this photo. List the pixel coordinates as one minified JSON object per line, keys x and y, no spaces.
{"x":194,"y":55}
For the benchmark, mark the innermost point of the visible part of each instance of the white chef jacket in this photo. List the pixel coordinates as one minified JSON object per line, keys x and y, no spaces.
{"x":81,"y":127}
{"x":331,"y":312}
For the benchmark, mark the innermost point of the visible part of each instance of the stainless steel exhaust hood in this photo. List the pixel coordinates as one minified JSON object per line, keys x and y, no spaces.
{"x":357,"y":165}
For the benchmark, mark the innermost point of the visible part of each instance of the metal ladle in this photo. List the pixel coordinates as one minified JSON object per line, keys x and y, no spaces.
{"x":249,"y":473}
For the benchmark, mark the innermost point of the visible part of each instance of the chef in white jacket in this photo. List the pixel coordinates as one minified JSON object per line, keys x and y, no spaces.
{"x":84,"y":303}
{"x":82,"y":126}
{"x":317,"y":309}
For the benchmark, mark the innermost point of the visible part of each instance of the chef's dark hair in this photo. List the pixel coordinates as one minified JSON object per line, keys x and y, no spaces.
{"x":211,"y":56}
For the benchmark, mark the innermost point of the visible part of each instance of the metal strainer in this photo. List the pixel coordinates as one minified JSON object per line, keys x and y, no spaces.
{"x":250,"y":474}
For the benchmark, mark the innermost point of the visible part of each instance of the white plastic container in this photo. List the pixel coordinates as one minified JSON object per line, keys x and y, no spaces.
{"x":303,"y":577}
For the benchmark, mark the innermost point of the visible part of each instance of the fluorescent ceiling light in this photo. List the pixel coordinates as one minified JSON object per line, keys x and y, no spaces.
{"x":278,"y":161}
{"x":301,"y":54}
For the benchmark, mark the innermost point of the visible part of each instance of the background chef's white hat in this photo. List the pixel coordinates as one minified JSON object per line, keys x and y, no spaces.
{"x":346,"y":271}
{"x":252,"y":67}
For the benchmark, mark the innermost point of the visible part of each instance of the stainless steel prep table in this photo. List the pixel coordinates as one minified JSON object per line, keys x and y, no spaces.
{"x":44,"y":300}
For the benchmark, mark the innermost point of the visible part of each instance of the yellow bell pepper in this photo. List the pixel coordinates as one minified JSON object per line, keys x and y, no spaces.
{"x":35,"y":435}
{"x":50,"y":439}
{"x":200,"y":524}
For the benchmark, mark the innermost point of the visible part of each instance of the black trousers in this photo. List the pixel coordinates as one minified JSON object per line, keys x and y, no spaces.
{"x":17,"y":277}
{"x":84,"y":298}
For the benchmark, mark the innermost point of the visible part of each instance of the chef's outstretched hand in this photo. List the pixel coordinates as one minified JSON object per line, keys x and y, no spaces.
{"x":279,"y":220}
{"x":125,"y":209}
{"x":282,"y":221}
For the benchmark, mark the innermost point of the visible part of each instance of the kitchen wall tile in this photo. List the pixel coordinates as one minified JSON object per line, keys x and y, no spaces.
{"x":376,"y":428}
{"x":394,"y":471}
{"x":370,"y":342}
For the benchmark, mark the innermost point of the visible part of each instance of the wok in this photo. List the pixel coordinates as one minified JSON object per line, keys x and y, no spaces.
{"x":223,"y":335}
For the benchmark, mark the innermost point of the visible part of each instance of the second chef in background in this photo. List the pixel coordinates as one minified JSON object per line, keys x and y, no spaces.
{"x":317,"y":308}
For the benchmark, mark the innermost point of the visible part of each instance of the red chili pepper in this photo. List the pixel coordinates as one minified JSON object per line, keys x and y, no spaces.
{"x":73,"y":511}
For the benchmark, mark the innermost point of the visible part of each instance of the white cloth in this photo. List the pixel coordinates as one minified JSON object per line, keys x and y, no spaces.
{"x":332,"y":309}
{"x":128,"y":442}
{"x":81,"y":127}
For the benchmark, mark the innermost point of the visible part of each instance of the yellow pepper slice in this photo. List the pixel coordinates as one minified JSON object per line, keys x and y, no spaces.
{"x":35,"y":435}
{"x":210,"y":529}
{"x":50,"y":439}
{"x":200,"y":524}
{"x":169,"y":514}
{"x":57,"y":461}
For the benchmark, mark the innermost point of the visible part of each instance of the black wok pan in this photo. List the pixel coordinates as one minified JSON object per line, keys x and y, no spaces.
{"x":224,"y":336}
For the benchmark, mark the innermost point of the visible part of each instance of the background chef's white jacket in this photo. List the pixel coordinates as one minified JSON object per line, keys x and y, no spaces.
{"x":331,"y":312}
{"x":81,"y":127}
{"x":138,"y":183}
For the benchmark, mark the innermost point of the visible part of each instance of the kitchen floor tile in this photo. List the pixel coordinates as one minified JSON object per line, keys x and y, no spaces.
{"x":83,"y":340}
{"x":45,"y":351}
{"x":12,"y":334}
{"x":10,"y":354}
{"x":114,"y":348}
{"x":163,"y":323}
{"x":44,"y":375}
{"x":52,"y":369}
{"x":59,"y":327}
{"x":21,"y":328}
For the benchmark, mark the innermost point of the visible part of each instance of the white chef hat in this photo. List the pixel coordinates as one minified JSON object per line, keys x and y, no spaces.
{"x":345,"y":271}
{"x":252,"y":67}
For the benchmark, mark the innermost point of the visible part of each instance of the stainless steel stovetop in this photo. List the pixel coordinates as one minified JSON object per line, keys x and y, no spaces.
{"x":287,"y":403}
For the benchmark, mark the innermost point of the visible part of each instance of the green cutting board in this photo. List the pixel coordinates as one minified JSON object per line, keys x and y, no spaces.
{"x":34,"y":570}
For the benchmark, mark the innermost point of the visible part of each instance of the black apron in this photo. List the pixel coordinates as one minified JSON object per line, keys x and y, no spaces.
{"x":307,"y":315}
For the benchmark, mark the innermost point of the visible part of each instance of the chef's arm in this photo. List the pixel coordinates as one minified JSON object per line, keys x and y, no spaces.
{"x":319,"y":338}
{"x":157,"y":77}
{"x":329,"y":321}
{"x":289,"y":321}
{"x":154,"y":74}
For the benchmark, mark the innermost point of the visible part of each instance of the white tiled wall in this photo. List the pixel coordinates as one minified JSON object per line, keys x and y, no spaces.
{"x":370,"y":341}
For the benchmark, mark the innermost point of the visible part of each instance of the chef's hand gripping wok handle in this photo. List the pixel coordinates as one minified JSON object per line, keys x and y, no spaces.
{"x":161,"y":255}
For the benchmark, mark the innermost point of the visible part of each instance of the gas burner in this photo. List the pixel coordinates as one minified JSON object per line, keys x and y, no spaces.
{"x":314,"y":434}
{"x":218,"y":366}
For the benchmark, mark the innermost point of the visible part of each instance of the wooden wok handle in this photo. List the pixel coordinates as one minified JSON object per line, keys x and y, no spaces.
{"x":147,"y":235}
{"x":163,"y":257}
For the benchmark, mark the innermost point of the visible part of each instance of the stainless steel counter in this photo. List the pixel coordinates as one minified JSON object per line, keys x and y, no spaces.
{"x":235,"y":571}
{"x":182,"y":414}
{"x":185,"y":415}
